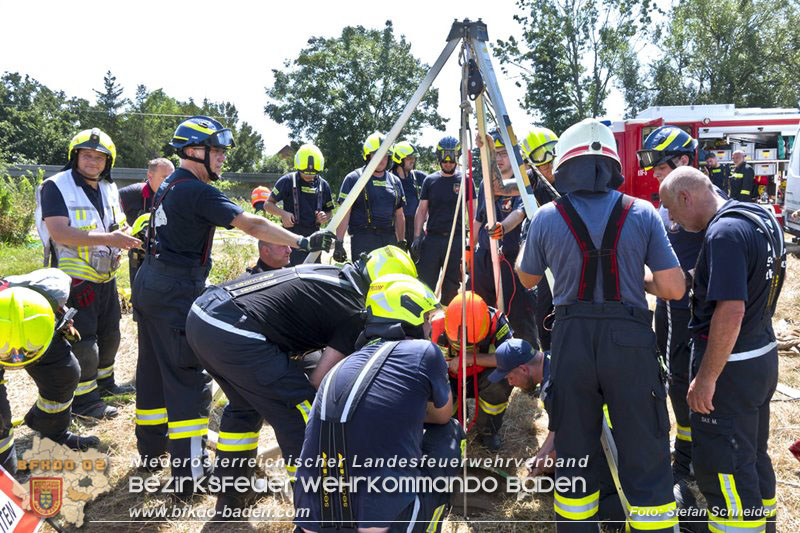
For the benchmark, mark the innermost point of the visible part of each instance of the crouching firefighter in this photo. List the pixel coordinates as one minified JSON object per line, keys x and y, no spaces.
{"x":34,"y":327}
{"x":487,"y":328}
{"x":388,"y":400}
{"x":246,"y":332}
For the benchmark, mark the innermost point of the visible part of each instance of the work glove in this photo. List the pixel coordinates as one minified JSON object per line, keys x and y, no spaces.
{"x":416,"y":246}
{"x":339,"y":254}
{"x":319,"y":241}
{"x":403,"y":245}
{"x":497,"y":231}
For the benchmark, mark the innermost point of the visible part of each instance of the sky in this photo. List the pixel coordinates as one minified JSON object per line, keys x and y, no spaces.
{"x":227,"y":50}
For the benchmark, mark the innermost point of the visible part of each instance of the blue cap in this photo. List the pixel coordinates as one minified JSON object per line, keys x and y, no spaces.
{"x":510,"y":355}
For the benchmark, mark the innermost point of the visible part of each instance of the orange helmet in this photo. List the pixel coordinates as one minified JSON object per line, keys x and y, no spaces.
{"x":477,"y":318}
{"x":259,"y":195}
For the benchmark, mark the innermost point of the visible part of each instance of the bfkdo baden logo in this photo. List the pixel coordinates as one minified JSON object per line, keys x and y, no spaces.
{"x":46,"y":495}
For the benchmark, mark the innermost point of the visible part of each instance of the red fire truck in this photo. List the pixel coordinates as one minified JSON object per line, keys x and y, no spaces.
{"x":765,"y":135}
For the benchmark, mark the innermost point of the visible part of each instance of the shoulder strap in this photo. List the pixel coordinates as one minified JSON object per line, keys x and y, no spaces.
{"x":296,"y":199}
{"x":257,"y":282}
{"x":151,"y":224}
{"x":611,"y":236}
{"x":588,"y":250}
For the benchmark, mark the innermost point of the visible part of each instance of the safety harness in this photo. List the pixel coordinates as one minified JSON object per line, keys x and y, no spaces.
{"x":151,"y":228}
{"x":339,"y":402}
{"x":367,"y":207}
{"x":607,"y":254}
{"x":271,"y":278}
{"x":296,"y":197}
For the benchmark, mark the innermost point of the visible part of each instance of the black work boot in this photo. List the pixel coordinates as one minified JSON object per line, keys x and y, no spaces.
{"x":98,"y":410}
{"x":112,"y":389}
{"x":491,"y":441}
{"x":76,"y":442}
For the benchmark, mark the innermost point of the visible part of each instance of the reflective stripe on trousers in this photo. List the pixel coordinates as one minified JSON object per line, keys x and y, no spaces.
{"x":151,"y":417}
{"x":51,"y":407}
{"x":237,"y":442}
{"x":645,"y":518}
{"x":85,"y":387}
{"x":104,"y":373}
{"x":490,"y":408}
{"x":577,"y":508}
{"x":182,"y":429}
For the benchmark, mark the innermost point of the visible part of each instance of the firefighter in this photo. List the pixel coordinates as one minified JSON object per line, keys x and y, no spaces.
{"x":742,"y":182}
{"x":34,"y":326}
{"x":78,"y":218}
{"x":245,"y":332}
{"x":174,"y":392}
{"x":404,"y":160}
{"x":306,"y":197}
{"x":734,"y":372}
{"x":603,"y":340}
{"x":487,"y":328}
{"x":529,"y":370}
{"x":664,"y":150}
{"x":376,"y":218}
{"x":271,"y":257}
{"x":258,"y":198}
{"x":718,"y":174}
{"x":381,"y":416}
{"x":136,"y":200}
{"x":538,"y":147}
{"x":517,"y":300}
{"x":438,"y":205}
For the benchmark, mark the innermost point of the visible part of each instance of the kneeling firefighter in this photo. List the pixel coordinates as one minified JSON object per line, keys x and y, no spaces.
{"x":248,"y":333}
{"x":388,"y":400}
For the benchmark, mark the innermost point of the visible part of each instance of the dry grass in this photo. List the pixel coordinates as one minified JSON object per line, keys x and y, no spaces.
{"x":523,"y":432}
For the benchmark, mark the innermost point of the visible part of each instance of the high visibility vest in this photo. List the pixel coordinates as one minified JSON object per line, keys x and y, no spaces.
{"x":91,"y":263}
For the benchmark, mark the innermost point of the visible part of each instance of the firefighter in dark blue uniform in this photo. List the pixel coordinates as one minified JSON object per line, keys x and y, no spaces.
{"x":376,"y":218}
{"x":438,"y":205}
{"x":718,"y":174}
{"x":245,"y":331}
{"x":137,"y":199}
{"x":742,"y":182}
{"x":174,"y":391}
{"x":734,"y":372}
{"x":392,"y":402}
{"x":518,"y":301}
{"x":664,"y":150}
{"x":603,"y":345}
{"x":404,"y":160}
{"x":306,"y":197}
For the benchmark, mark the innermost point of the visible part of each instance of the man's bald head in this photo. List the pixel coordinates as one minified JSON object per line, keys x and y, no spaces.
{"x":738,"y":157}
{"x":690,"y":198}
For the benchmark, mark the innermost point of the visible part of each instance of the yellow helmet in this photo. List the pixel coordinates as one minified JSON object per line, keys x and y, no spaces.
{"x":372,"y":144}
{"x":93,"y":139}
{"x":399,"y":298}
{"x":309,"y":160}
{"x":140,"y":224}
{"x":402,"y":150}
{"x":27,"y":325}
{"x":539,"y":146}
{"x":388,"y":260}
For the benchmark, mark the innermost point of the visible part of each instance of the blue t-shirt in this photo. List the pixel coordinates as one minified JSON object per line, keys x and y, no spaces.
{"x":733,"y":265}
{"x":387,"y":423}
{"x":503,"y":206}
{"x":312,"y":196}
{"x":411,"y":188}
{"x":643,"y":241}
{"x":385,"y":196}
{"x":189,"y":211}
{"x":442,"y":195}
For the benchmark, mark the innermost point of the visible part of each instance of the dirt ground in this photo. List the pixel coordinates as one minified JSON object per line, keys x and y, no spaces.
{"x":523,"y":432}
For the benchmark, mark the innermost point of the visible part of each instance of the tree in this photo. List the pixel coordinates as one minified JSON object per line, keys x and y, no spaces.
{"x":744,"y":52}
{"x":339,"y":90}
{"x":571,"y":52}
{"x":107,"y":110}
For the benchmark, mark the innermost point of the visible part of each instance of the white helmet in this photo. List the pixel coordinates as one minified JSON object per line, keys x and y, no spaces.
{"x":587,"y":137}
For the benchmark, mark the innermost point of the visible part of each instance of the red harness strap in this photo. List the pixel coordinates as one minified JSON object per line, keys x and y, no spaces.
{"x":607,"y":254}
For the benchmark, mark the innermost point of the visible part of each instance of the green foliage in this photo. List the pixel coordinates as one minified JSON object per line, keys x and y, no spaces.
{"x":744,"y":52}
{"x":571,"y":52}
{"x":339,"y":90}
{"x":19,"y":258}
{"x":37,"y":123}
{"x":274,"y":163}
{"x":17,"y":206}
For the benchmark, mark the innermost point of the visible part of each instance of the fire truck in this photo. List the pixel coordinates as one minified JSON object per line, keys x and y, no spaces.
{"x":765,"y":135}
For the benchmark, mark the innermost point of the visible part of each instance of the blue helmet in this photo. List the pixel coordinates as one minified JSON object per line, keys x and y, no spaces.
{"x":448,"y":150}
{"x":665,"y":144}
{"x":201,"y":131}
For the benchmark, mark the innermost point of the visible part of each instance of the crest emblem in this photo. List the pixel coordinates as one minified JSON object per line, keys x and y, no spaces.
{"x":456,"y":187}
{"x":46,"y":495}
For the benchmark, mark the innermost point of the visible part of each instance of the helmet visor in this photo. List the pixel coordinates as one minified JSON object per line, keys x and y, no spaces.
{"x":448,"y":156}
{"x":649,"y":158}
{"x":543,"y":154}
{"x":221,"y":139}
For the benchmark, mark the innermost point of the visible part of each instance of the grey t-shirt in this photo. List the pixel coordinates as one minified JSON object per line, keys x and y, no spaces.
{"x":550,"y":243}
